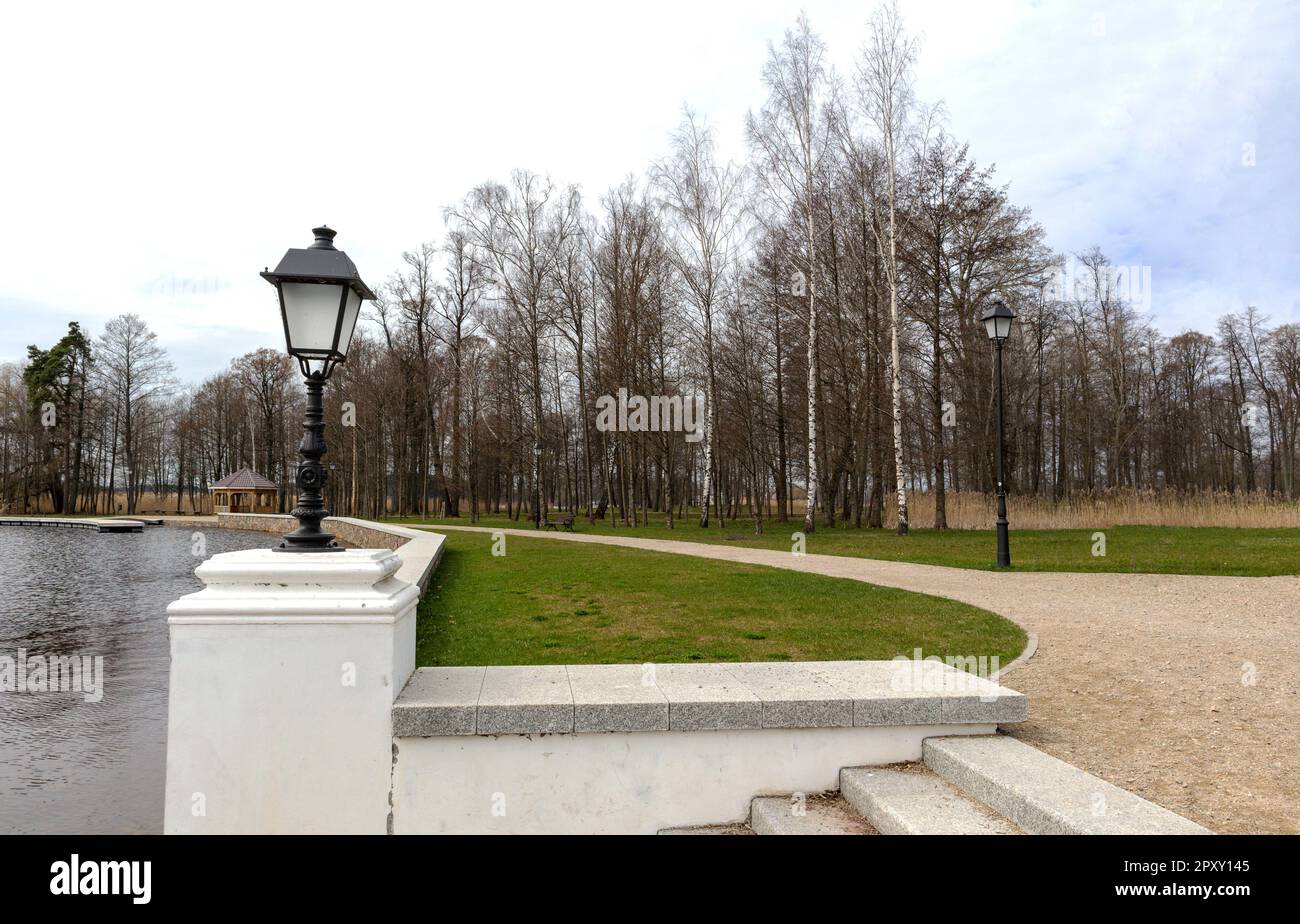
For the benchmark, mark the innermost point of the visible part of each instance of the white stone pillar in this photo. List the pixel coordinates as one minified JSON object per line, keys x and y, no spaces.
{"x":284,"y":669}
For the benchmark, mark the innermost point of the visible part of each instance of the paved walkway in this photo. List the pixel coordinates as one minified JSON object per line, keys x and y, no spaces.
{"x":1183,"y":689}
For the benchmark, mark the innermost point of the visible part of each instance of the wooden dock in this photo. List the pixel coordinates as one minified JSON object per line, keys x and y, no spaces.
{"x":100,"y":524}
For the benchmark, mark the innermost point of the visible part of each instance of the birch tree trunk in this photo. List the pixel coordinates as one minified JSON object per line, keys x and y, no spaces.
{"x":810,"y":510}
{"x":708,"y":467}
{"x":896,"y":372}
{"x":884,"y":85}
{"x":783,"y":135}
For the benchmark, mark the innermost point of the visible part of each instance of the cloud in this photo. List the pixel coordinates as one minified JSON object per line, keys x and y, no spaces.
{"x":1125,"y":125}
{"x":155,"y":150}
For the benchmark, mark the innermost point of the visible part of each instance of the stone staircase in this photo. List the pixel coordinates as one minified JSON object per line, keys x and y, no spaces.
{"x":990,"y":784}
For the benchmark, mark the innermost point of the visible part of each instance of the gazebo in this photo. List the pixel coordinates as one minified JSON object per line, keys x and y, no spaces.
{"x":244,"y":492}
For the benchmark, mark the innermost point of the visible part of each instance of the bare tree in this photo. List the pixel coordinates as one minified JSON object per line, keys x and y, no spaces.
{"x":519,"y":231}
{"x":135,"y":372}
{"x":266,"y":376}
{"x":576,"y":285}
{"x":457,"y":307}
{"x":703,"y":198}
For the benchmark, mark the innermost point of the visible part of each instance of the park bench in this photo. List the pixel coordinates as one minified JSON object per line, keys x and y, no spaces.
{"x":564,"y":520}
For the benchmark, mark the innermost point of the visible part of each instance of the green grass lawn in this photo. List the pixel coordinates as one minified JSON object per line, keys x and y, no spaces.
{"x":1152,"y":549}
{"x":563,"y":603}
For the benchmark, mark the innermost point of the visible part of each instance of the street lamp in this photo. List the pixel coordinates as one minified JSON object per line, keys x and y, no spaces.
{"x":320,"y":299}
{"x":997,"y":322}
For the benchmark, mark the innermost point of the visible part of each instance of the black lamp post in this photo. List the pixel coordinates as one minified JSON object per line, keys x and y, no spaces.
{"x":997,"y":322}
{"x":320,"y":299}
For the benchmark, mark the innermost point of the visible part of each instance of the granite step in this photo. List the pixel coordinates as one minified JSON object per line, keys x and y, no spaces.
{"x":912,"y":800}
{"x":1044,"y":795}
{"x":814,"y":814}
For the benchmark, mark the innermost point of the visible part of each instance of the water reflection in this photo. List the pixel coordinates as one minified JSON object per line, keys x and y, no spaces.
{"x":71,"y":766}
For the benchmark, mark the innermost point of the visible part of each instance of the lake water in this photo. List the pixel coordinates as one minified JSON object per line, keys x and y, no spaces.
{"x":68,"y":765}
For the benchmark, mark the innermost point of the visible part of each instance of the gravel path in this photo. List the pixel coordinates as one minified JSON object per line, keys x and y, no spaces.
{"x":1183,"y":689}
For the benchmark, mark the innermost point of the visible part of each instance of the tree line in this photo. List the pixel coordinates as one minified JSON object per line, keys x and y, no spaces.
{"x":822,"y":299}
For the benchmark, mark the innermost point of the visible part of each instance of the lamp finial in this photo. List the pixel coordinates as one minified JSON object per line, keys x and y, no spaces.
{"x":324,"y":238}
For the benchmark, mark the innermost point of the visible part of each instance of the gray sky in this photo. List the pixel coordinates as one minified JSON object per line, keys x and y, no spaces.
{"x":157,"y":156}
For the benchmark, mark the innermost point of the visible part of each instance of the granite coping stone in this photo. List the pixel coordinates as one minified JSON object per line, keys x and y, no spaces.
{"x":795,"y":696}
{"x":525,"y":700}
{"x":707,"y":697}
{"x":595,"y":698}
{"x":616,"y":697}
{"x":439,"y":701}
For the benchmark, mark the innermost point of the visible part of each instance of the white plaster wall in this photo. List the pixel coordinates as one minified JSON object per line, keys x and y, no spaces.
{"x":284,"y":669}
{"x":627,"y":783}
{"x":262,"y":727}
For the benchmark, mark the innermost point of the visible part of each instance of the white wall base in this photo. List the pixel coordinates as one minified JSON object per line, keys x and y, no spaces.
{"x":628,"y":783}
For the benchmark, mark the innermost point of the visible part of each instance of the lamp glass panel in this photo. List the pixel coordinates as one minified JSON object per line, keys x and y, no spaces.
{"x":1004,"y":328}
{"x":312,"y":312}
{"x":350,"y":311}
{"x":990,"y":325}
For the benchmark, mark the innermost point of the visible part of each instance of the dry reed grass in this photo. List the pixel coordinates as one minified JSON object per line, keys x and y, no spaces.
{"x":972,"y":510}
{"x":1101,"y":509}
{"x":146,"y":503}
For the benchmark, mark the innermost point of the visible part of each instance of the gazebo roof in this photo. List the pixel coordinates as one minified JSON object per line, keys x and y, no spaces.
{"x":246,"y":479}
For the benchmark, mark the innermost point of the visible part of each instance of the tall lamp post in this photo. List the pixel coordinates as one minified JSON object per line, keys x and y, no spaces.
{"x":320,"y":298}
{"x":997,"y":322}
